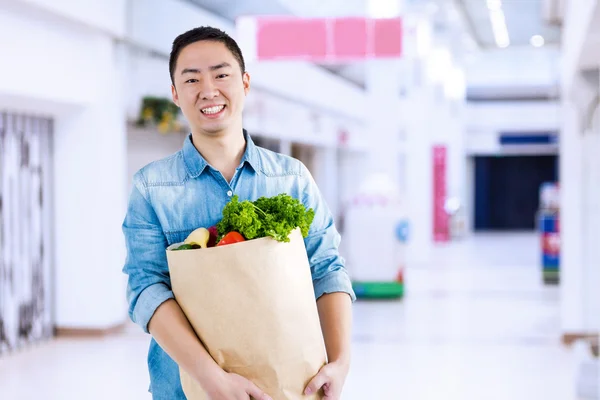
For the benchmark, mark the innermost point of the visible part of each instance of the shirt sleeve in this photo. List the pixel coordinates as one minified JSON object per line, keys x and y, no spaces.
{"x":148,"y":284}
{"x":327,"y":266}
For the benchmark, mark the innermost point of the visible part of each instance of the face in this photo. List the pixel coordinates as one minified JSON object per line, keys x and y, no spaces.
{"x":210,"y":88}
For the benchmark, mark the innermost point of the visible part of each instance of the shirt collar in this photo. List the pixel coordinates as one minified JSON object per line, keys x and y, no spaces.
{"x":196,"y":164}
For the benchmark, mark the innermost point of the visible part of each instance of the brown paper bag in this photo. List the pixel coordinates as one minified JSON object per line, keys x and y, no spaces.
{"x":252,"y":304}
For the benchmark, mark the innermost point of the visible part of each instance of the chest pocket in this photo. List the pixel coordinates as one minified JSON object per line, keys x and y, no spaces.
{"x":177,"y":236}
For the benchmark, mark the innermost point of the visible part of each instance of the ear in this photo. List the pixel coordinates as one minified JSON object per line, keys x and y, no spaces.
{"x":246,"y":82}
{"x":175,"y":95}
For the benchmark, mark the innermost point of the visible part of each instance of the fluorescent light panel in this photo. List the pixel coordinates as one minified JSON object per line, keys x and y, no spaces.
{"x":498,"y":23}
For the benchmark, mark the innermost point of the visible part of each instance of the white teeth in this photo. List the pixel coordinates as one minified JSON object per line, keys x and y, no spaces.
{"x":212,"y":110}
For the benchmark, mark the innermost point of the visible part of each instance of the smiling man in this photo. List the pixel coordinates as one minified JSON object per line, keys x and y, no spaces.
{"x":173,"y":196}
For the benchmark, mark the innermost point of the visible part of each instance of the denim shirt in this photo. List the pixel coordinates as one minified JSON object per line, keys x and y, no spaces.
{"x":173,"y":196}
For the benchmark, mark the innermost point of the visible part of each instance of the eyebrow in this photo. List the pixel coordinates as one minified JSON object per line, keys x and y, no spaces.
{"x":212,"y":68}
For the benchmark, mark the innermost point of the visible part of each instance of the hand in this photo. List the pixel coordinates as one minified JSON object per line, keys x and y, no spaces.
{"x":331,"y":378}
{"x":230,"y":386}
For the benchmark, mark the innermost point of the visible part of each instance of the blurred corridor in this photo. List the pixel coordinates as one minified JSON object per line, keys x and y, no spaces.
{"x":476,"y":324}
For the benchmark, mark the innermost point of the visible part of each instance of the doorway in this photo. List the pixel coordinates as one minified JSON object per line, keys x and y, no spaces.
{"x":507,"y":190}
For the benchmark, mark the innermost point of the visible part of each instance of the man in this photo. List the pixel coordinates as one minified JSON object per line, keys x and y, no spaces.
{"x":173,"y":196}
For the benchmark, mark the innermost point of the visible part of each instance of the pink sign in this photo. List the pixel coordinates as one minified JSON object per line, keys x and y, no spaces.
{"x":350,"y":38}
{"x":441,"y":232}
{"x":320,"y":39}
{"x":291,"y":38}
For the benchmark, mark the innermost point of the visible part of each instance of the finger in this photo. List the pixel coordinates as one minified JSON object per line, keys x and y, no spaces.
{"x":330,"y":394}
{"x":256,"y":393}
{"x":316,"y":383}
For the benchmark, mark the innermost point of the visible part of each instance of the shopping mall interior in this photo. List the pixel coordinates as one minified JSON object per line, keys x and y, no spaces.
{"x":453,"y":142}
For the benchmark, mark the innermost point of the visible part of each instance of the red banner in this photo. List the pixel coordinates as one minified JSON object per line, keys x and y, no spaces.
{"x":441,"y":231}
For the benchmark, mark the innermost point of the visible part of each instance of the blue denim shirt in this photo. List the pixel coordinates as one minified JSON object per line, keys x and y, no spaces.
{"x":173,"y":196}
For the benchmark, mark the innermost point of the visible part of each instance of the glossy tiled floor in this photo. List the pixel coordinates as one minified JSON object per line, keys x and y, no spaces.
{"x":476,"y":324}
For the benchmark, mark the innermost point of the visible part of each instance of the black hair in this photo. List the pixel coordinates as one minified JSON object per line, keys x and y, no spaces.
{"x":200,"y":34}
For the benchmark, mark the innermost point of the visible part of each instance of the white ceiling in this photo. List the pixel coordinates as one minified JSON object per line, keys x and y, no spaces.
{"x":524,"y":18}
{"x":469,"y":17}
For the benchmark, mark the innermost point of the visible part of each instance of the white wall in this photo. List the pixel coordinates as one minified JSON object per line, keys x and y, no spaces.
{"x":579,"y":308}
{"x":421,"y":135}
{"x":571,"y":274}
{"x":107,"y":16}
{"x":54,"y":63}
{"x":513,"y":116}
{"x":485,"y":121}
{"x":590,"y":210}
{"x":71,"y":71}
{"x":513,"y":67}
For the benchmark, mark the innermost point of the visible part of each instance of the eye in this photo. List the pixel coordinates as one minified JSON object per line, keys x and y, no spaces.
{"x":222,"y":76}
{"x":191,"y":80}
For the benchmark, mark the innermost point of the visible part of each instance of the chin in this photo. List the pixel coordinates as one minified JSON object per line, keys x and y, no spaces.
{"x":214,"y":130}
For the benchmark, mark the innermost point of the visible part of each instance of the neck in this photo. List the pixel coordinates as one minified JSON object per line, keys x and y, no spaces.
{"x":223,"y":152}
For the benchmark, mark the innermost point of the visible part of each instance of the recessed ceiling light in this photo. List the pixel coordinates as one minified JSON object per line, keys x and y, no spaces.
{"x":537,"y":41}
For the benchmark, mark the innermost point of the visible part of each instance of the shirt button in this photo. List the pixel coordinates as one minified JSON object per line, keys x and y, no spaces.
{"x":230,"y":193}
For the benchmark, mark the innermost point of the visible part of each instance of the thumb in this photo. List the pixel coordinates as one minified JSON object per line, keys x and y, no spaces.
{"x":256,"y":393}
{"x":316,"y":383}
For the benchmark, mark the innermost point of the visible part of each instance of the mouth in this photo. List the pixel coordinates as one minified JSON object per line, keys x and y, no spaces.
{"x":213,"y":110}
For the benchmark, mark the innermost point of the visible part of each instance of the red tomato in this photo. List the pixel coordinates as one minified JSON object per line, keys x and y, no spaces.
{"x":231,"y":237}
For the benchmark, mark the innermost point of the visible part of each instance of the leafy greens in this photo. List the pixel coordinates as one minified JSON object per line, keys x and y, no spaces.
{"x":274,"y":217}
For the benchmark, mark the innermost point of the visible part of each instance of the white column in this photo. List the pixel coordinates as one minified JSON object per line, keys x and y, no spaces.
{"x":90,"y":200}
{"x":571,"y":224}
{"x":419,"y":175}
{"x":383,"y":87}
{"x":590,"y":211}
{"x":457,"y":157}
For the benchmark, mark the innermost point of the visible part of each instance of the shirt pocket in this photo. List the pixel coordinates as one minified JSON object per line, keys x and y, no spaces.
{"x":177,"y":236}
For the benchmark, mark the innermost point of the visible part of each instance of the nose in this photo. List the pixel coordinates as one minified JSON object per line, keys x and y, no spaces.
{"x":208,"y":90}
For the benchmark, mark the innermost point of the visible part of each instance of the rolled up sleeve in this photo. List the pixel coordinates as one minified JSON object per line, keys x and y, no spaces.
{"x":148,"y":284}
{"x":328,"y":269}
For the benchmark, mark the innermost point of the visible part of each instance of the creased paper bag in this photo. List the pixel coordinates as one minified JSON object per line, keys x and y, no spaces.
{"x":252,"y":305}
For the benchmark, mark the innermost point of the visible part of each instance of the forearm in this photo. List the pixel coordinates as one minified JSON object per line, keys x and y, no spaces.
{"x":173,"y":332}
{"x":335,"y":314}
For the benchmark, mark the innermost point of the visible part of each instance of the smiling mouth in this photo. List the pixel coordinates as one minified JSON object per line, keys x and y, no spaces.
{"x":212,"y":110}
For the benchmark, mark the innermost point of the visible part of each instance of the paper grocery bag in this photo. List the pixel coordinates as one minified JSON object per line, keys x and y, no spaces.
{"x":252,"y":305}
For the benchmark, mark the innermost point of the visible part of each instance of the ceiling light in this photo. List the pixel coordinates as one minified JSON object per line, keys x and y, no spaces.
{"x":537,"y":41}
{"x":494,"y":5}
{"x":383,"y":8}
{"x":499,"y":27}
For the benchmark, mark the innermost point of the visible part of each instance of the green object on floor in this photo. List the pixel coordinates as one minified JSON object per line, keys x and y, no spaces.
{"x":378,"y":289}
{"x":551,"y":276}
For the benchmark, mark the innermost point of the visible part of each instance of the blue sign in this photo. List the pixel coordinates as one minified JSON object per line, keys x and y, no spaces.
{"x":402,"y":231}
